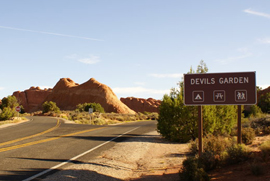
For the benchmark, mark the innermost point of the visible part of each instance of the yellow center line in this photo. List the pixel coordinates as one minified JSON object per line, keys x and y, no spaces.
{"x":46,"y":140}
{"x":32,"y":136}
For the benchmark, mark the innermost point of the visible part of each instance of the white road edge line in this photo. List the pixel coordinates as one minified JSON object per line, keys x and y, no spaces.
{"x":76,"y":157}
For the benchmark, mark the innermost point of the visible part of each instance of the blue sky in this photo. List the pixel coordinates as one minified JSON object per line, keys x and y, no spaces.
{"x":139,"y":48}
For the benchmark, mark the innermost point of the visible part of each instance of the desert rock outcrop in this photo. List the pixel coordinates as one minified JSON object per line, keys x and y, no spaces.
{"x":32,"y":98}
{"x":67,"y":94}
{"x":142,"y":105}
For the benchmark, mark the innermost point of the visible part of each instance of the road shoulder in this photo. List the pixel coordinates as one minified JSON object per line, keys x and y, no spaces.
{"x":9,"y":123}
{"x":144,"y":157}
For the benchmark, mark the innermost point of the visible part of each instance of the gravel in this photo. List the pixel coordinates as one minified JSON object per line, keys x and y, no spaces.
{"x":148,"y":156}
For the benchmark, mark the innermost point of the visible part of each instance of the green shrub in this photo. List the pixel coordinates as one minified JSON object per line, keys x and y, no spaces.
{"x":236,"y":153}
{"x":50,"y":107}
{"x":209,"y":161}
{"x":212,"y":144}
{"x":261,"y":125}
{"x":99,"y":121}
{"x":191,"y":171}
{"x":265,"y":149}
{"x":10,"y":101}
{"x":254,"y":111}
{"x":6,"y":113}
{"x":85,"y":107}
{"x":248,"y":135}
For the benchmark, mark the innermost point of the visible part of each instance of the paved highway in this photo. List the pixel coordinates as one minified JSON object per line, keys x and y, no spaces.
{"x":43,"y":145}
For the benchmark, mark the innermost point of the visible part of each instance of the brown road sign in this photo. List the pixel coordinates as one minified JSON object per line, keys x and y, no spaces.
{"x":220,"y":88}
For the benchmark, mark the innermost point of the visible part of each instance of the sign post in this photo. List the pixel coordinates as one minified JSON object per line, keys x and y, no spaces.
{"x":239,"y":126}
{"x":236,"y":88}
{"x":200,"y":129}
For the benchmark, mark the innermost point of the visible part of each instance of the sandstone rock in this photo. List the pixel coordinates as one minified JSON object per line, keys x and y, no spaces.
{"x":67,"y":95}
{"x":32,"y":98}
{"x":142,"y":105}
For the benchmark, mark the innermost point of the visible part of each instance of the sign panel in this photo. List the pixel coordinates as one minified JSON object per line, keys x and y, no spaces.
{"x":90,"y":110}
{"x":18,"y":109}
{"x":220,"y":88}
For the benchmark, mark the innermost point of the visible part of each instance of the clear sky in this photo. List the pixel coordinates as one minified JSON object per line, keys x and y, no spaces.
{"x":139,"y":48}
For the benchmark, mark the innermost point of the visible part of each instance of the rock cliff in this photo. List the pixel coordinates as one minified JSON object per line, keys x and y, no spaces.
{"x":142,"y":105}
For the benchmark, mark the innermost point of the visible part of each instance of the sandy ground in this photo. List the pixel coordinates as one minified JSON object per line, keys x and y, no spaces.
{"x":13,"y":124}
{"x":147,"y":157}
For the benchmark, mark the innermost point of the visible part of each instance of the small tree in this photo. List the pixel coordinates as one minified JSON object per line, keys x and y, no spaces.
{"x":10,"y":101}
{"x":50,"y":107}
{"x":178,"y":122}
{"x":6,"y":113}
{"x":8,"y":107}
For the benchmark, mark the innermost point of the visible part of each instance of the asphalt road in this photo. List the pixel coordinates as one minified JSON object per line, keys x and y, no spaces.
{"x":34,"y":149}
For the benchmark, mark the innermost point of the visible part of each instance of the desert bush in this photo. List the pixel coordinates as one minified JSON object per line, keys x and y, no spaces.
{"x":236,"y":153}
{"x":261,"y":125}
{"x":151,"y":116}
{"x":212,"y":144}
{"x":141,"y":116}
{"x":6,"y":113}
{"x":254,"y":111}
{"x":248,"y":135}
{"x":265,"y":150}
{"x":8,"y":107}
{"x":50,"y":107}
{"x":99,"y":121}
{"x":10,"y":101}
{"x":192,"y":171}
{"x":209,"y":161}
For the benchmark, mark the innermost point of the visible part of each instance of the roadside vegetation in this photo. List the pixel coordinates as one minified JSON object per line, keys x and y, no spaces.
{"x":178,"y":123}
{"x":7,"y":108}
{"x":81,"y":114}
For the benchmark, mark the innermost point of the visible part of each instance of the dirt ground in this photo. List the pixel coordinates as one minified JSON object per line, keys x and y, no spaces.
{"x":150,"y":158}
{"x":243,"y":172}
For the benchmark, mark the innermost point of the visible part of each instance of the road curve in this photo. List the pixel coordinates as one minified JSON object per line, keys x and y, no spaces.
{"x":46,"y":144}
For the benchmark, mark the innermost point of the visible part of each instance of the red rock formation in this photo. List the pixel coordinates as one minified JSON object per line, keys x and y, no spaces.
{"x":142,"y":105}
{"x":32,"y":98}
{"x":67,"y":95}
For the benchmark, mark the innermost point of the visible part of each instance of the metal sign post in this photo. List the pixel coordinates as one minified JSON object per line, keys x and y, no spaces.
{"x":239,"y":126}
{"x":236,"y":88}
{"x":90,"y":112}
{"x":200,"y":129}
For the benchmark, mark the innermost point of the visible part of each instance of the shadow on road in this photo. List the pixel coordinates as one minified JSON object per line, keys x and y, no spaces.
{"x":66,"y":175}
